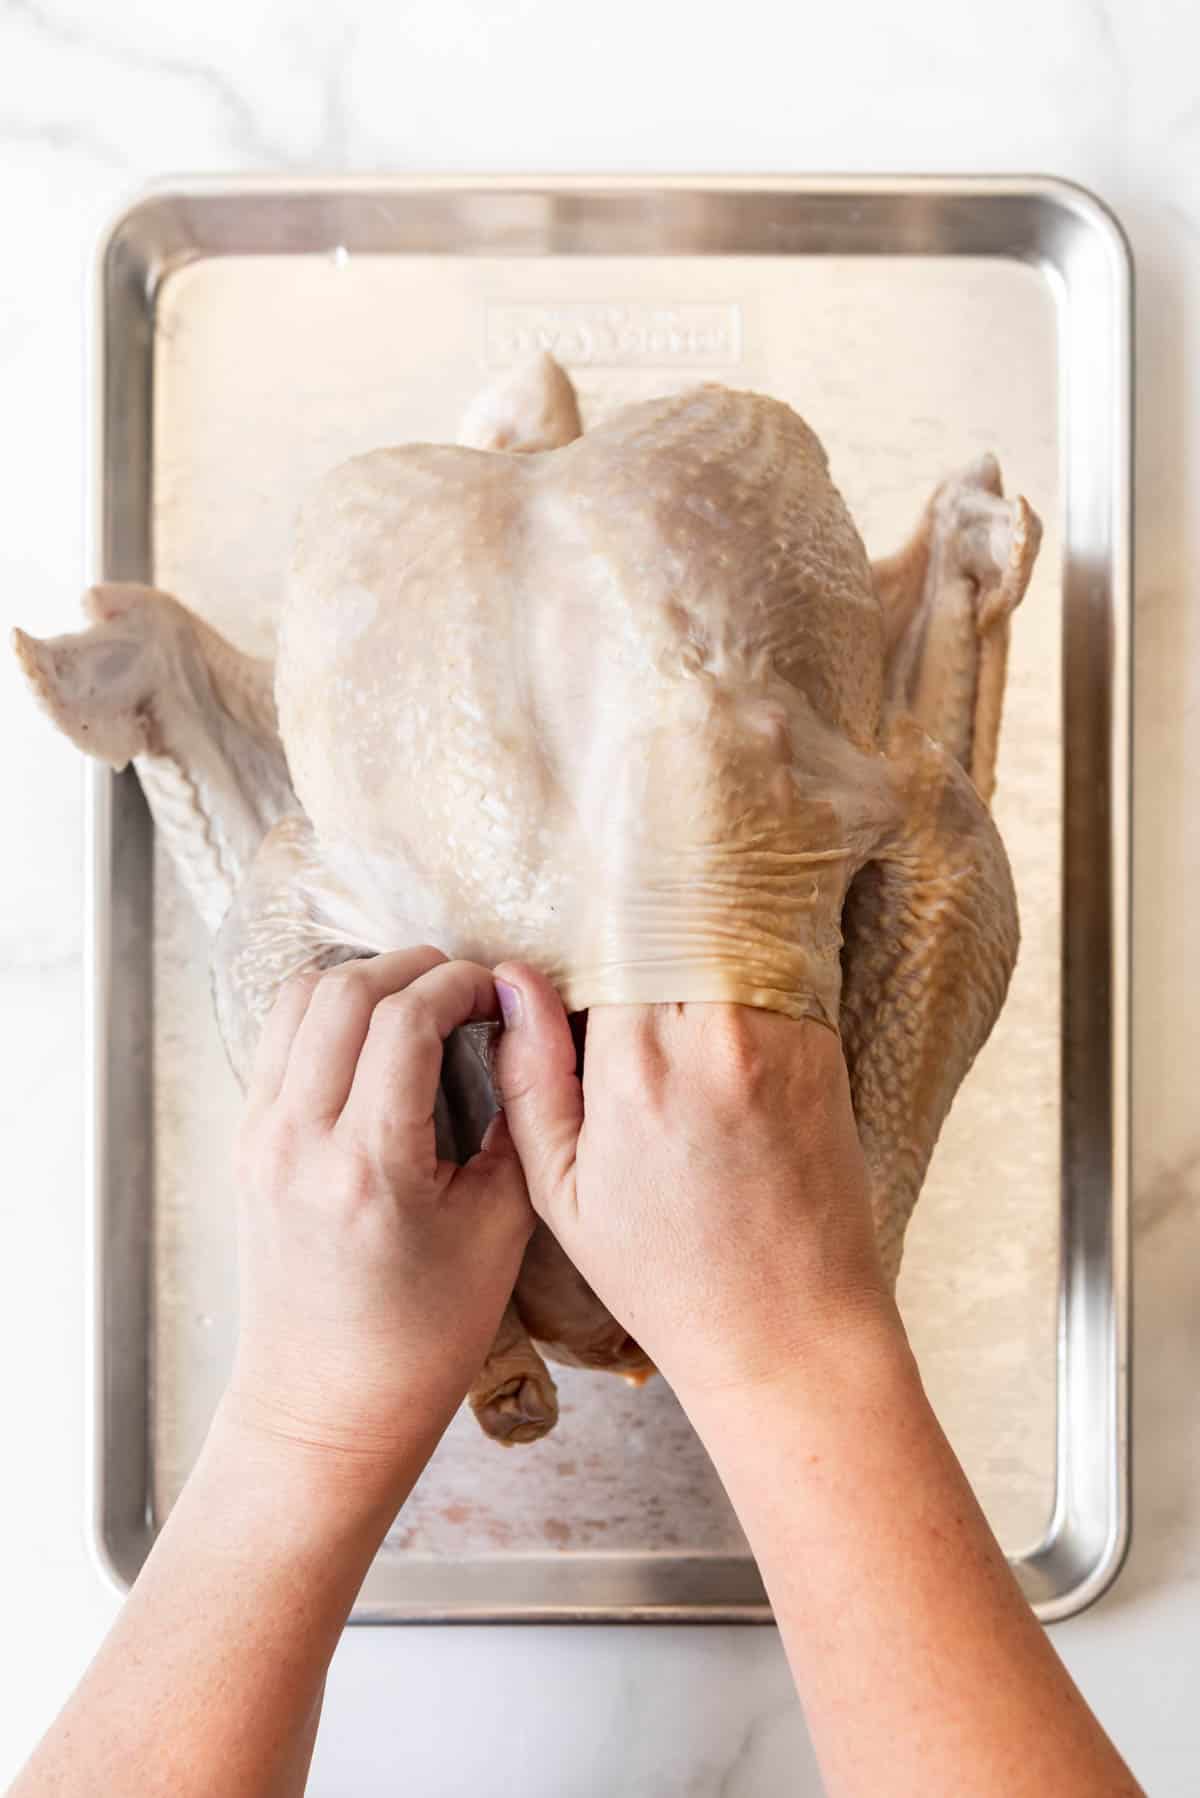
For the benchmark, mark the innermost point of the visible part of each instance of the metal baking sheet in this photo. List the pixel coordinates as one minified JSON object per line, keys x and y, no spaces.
{"x":251,"y":334}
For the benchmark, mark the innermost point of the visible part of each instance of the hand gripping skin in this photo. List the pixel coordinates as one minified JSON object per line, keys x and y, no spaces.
{"x":514,"y":1397}
{"x":283,"y":922}
{"x":554,"y":1301}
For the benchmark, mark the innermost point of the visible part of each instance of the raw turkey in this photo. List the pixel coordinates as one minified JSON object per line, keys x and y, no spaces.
{"x":631,"y":704}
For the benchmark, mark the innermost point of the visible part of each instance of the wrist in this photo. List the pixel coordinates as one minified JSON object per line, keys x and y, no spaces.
{"x":825,"y":1368}
{"x":305,"y":1480}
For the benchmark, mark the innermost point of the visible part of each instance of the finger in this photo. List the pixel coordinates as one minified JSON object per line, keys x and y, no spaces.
{"x":495,"y":1174}
{"x":275,"y":1043}
{"x":534,"y":1070}
{"x":396,"y":1081}
{"x":324,"y":1055}
{"x":496,"y":1160}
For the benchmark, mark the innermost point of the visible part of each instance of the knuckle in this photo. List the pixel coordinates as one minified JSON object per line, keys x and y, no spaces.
{"x":346,"y":977}
{"x":355,"y":1180}
{"x":407,"y":1013}
{"x":459,"y":964}
{"x":637,"y":1074}
{"x":738,"y":1068}
{"x":375,"y":1157}
{"x":419,"y":1023}
{"x":406,"y":1003}
{"x":510,"y":1085}
{"x":513,"y":1080}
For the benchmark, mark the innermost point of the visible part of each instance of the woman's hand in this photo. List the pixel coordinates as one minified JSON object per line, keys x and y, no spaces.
{"x":373,"y":1279}
{"x":707,"y":1180}
{"x":373,"y":1275}
{"x":714,"y":1195}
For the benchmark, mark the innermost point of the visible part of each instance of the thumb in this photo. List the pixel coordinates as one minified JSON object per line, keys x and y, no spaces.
{"x":533,"y":1066}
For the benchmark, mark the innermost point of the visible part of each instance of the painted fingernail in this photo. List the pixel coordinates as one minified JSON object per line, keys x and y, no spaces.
{"x":510,"y":1004}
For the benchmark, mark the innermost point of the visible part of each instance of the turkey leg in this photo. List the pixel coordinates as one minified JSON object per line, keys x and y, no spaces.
{"x":930,"y":934}
{"x":564,"y":1315}
{"x":947,"y":597}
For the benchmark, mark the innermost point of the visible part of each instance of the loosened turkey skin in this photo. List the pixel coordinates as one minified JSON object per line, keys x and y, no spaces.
{"x":611,"y":709}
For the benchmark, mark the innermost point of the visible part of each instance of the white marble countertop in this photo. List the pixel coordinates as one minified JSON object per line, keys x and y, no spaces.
{"x":1102,"y":91}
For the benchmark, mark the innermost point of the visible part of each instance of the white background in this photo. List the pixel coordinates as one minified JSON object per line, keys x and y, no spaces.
{"x":93,"y":101}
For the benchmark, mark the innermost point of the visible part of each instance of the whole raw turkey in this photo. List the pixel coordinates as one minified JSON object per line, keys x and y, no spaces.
{"x":631,"y":704}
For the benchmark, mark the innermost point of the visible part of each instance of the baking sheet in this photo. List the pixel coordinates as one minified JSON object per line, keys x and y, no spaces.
{"x":265,"y":370}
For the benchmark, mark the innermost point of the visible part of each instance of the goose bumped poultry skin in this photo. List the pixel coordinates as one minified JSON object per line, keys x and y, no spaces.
{"x":630,"y":704}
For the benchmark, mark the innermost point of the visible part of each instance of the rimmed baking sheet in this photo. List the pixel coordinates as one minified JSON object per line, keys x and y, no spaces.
{"x":252,"y":334}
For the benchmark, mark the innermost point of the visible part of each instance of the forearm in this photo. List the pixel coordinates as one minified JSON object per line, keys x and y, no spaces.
{"x":373,"y":1276}
{"x":921,"y":1668}
{"x":211,"y":1680}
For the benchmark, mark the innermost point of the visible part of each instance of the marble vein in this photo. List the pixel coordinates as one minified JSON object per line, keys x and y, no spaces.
{"x":75,"y":140}
{"x":250,"y":139}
